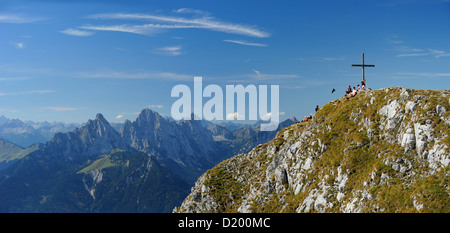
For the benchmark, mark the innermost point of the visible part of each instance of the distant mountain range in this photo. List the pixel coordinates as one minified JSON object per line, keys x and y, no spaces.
{"x":148,"y":165}
{"x":27,"y":133}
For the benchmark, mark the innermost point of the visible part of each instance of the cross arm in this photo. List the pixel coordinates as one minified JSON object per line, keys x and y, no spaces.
{"x":364,"y":65}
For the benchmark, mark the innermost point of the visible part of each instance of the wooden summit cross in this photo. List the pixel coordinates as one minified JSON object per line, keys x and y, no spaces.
{"x":363,"y":65}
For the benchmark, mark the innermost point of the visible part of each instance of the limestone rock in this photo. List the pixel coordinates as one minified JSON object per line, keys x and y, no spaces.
{"x":350,"y":158}
{"x":440,"y":110}
{"x":409,"y":141}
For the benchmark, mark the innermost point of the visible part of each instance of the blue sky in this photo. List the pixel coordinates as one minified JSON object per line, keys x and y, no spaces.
{"x":68,"y":60}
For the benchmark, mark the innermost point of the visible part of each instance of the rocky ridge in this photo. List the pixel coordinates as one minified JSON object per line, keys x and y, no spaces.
{"x":96,"y":137}
{"x":146,"y":166}
{"x":384,"y":150}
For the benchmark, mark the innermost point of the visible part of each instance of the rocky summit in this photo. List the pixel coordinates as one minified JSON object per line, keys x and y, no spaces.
{"x":383,"y":150}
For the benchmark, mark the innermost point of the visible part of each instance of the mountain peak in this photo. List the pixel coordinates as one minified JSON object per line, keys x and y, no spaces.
{"x":148,"y":114}
{"x":148,"y":111}
{"x":100,"y":117}
{"x":98,"y":124}
{"x":293,"y":119}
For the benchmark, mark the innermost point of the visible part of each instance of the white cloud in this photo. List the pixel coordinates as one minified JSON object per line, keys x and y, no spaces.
{"x":137,"y":29}
{"x":394,"y":39}
{"x":246,"y":43}
{"x":76,"y":32}
{"x":405,"y":51}
{"x":171,"y":22}
{"x":333,"y":58}
{"x":17,"y":18}
{"x":156,"y":106}
{"x":259,"y":75}
{"x":192,"y":11}
{"x":20,"y":45}
{"x":169,"y":51}
{"x":320,"y":59}
{"x":266,"y":116}
{"x":257,"y":72}
{"x":62,"y":109}
{"x":235,"y":115}
{"x":123,"y":114}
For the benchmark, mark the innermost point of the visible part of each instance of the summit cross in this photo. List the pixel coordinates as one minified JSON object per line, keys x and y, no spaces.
{"x":363,"y":65}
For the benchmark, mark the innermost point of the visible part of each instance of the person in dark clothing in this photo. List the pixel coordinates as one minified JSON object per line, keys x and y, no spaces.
{"x":317,"y":108}
{"x":349,"y":89}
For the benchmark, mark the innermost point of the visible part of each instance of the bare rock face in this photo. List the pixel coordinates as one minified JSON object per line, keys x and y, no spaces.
{"x":440,"y":110}
{"x":96,"y":137}
{"x":382,"y":151}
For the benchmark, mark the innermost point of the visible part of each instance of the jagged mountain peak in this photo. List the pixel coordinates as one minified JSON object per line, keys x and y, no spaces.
{"x":96,"y":137}
{"x":100,"y":117}
{"x":98,"y":127}
{"x":384,"y":150}
{"x":150,"y":119}
{"x":148,"y":114}
{"x":98,"y":120}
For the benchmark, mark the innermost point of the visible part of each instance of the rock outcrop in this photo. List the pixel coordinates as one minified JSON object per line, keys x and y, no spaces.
{"x":382,"y":151}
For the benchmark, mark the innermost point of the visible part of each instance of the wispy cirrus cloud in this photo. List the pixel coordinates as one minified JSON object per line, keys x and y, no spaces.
{"x":321,"y":59}
{"x":136,"y":29}
{"x":18,"y":18}
{"x":193,"y":11}
{"x":202,"y":20}
{"x":333,"y":58}
{"x":261,"y":76}
{"x":156,"y":106}
{"x":169,"y":51}
{"x":246,"y":43}
{"x":76,"y":32}
{"x":405,"y":51}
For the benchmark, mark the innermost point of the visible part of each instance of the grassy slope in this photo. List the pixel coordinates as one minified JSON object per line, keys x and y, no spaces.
{"x":338,"y":126}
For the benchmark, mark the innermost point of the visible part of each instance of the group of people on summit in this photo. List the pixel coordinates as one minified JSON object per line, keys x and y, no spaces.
{"x":349,"y":93}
